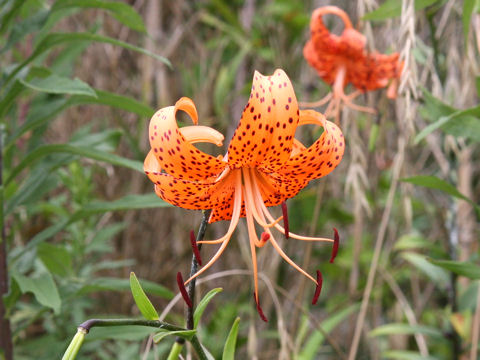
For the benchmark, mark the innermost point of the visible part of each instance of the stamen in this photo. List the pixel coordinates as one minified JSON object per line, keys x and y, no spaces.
{"x":265,"y":236}
{"x":259,"y":308}
{"x":183,"y":291}
{"x":269,"y":216}
{"x":318,"y":103}
{"x":318,"y":289}
{"x":336,"y":240}
{"x":354,"y":106}
{"x":195,"y":249}
{"x":288,"y":260}
{"x":237,"y":206}
{"x":285,"y":218}
{"x":250,"y":201}
{"x":254,"y":263}
{"x":252,"y":234}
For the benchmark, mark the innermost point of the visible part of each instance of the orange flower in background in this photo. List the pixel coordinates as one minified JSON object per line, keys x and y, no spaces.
{"x":264,"y":164}
{"x":342,"y":60}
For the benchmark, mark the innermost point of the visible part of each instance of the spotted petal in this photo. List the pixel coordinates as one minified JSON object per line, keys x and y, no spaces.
{"x":175,"y":154}
{"x":322,"y":157}
{"x":265,"y":133}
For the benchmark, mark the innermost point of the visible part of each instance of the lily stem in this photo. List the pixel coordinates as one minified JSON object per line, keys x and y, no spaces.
{"x":175,"y":351}
{"x":179,"y":342}
{"x":87,"y":325}
{"x":194,"y":268}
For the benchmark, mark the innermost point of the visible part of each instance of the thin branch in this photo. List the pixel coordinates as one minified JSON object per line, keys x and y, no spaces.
{"x":407,"y":309}
{"x":378,"y":248}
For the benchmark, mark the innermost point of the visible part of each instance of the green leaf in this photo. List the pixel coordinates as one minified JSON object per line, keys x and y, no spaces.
{"x":86,"y":152}
{"x":117,"y":101}
{"x":412,"y":241}
{"x":230,"y":343}
{"x":312,"y":347}
{"x":118,"y":284}
{"x":122,"y":12}
{"x":406,"y":355}
{"x":203,"y":304}
{"x":472,"y":129}
{"x":463,"y":268}
{"x":436,"y":274}
{"x":432,"y":182}
{"x":128,"y":202}
{"x":406,"y":329}
{"x":20,"y":29}
{"x":56,"y":258}
{"x":55,"y":84}
{"x":42,"y":287}
{"x":142,"y":301}
{"x":184,"y":334}
{"x":55,"y":39}
{"x":393,"y":8}
{"x":57,"y":106}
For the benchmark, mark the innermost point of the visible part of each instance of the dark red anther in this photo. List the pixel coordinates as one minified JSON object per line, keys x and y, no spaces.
{"x":259,"y":309}
{"x":318,"y":289}
{"x":265,"y":236}
{"x":196,"y":252}
{"x":285,"y":219}
{"x":183,"y":291}
{"x":336,"y":240}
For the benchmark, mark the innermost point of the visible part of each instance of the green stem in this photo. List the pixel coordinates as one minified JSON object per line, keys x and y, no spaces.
{"x":194,"y":268}
{"x":175,"y":352}
{"x":85,"y":327}
{"x":198,"y":348}
{"x":75,"y":345}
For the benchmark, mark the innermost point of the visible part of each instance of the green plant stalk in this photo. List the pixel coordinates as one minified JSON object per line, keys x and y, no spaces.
{"x":175,"y":351}
{"x":75,"y":345}
{"x":85,"y":327}
{"x":191,"y":287}
{"x":194,"y":268}
{"x":6,"y":346}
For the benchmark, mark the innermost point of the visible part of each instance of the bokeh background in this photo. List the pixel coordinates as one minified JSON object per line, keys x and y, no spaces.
{"x":79,"y":215}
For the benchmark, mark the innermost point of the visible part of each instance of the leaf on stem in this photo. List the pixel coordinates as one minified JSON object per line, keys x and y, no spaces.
{"x":142,"y":301}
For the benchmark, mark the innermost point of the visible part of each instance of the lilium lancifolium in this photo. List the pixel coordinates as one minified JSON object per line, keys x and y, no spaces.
{"x":340,"y":60}
{"x":264,"y":164}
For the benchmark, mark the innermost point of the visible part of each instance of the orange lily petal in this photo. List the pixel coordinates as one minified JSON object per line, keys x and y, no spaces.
{"x":177,"y":156}
{"x":265,"y":133}
{"x":322,"y":157}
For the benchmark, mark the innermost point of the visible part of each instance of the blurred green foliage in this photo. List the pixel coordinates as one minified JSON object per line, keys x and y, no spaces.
{"x":59,"y":223}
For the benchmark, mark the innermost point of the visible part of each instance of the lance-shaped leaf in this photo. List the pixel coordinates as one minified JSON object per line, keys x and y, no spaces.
{"x":142,"y":301}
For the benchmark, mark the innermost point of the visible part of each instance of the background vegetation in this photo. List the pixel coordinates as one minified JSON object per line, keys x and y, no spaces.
{"x":79,"y":80}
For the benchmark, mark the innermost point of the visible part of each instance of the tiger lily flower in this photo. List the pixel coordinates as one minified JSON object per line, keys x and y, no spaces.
{"x":340,"y":60}
{"x":264,"y":164}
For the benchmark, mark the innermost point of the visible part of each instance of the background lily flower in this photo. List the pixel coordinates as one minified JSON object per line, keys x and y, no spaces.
{"x":264,"y":164}
{"x":342,"y":60}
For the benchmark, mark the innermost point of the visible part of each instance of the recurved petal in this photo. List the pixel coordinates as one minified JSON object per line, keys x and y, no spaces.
{"x":265,"y":133}
{"x":175,"y":154}
{"x":322,"y":157}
